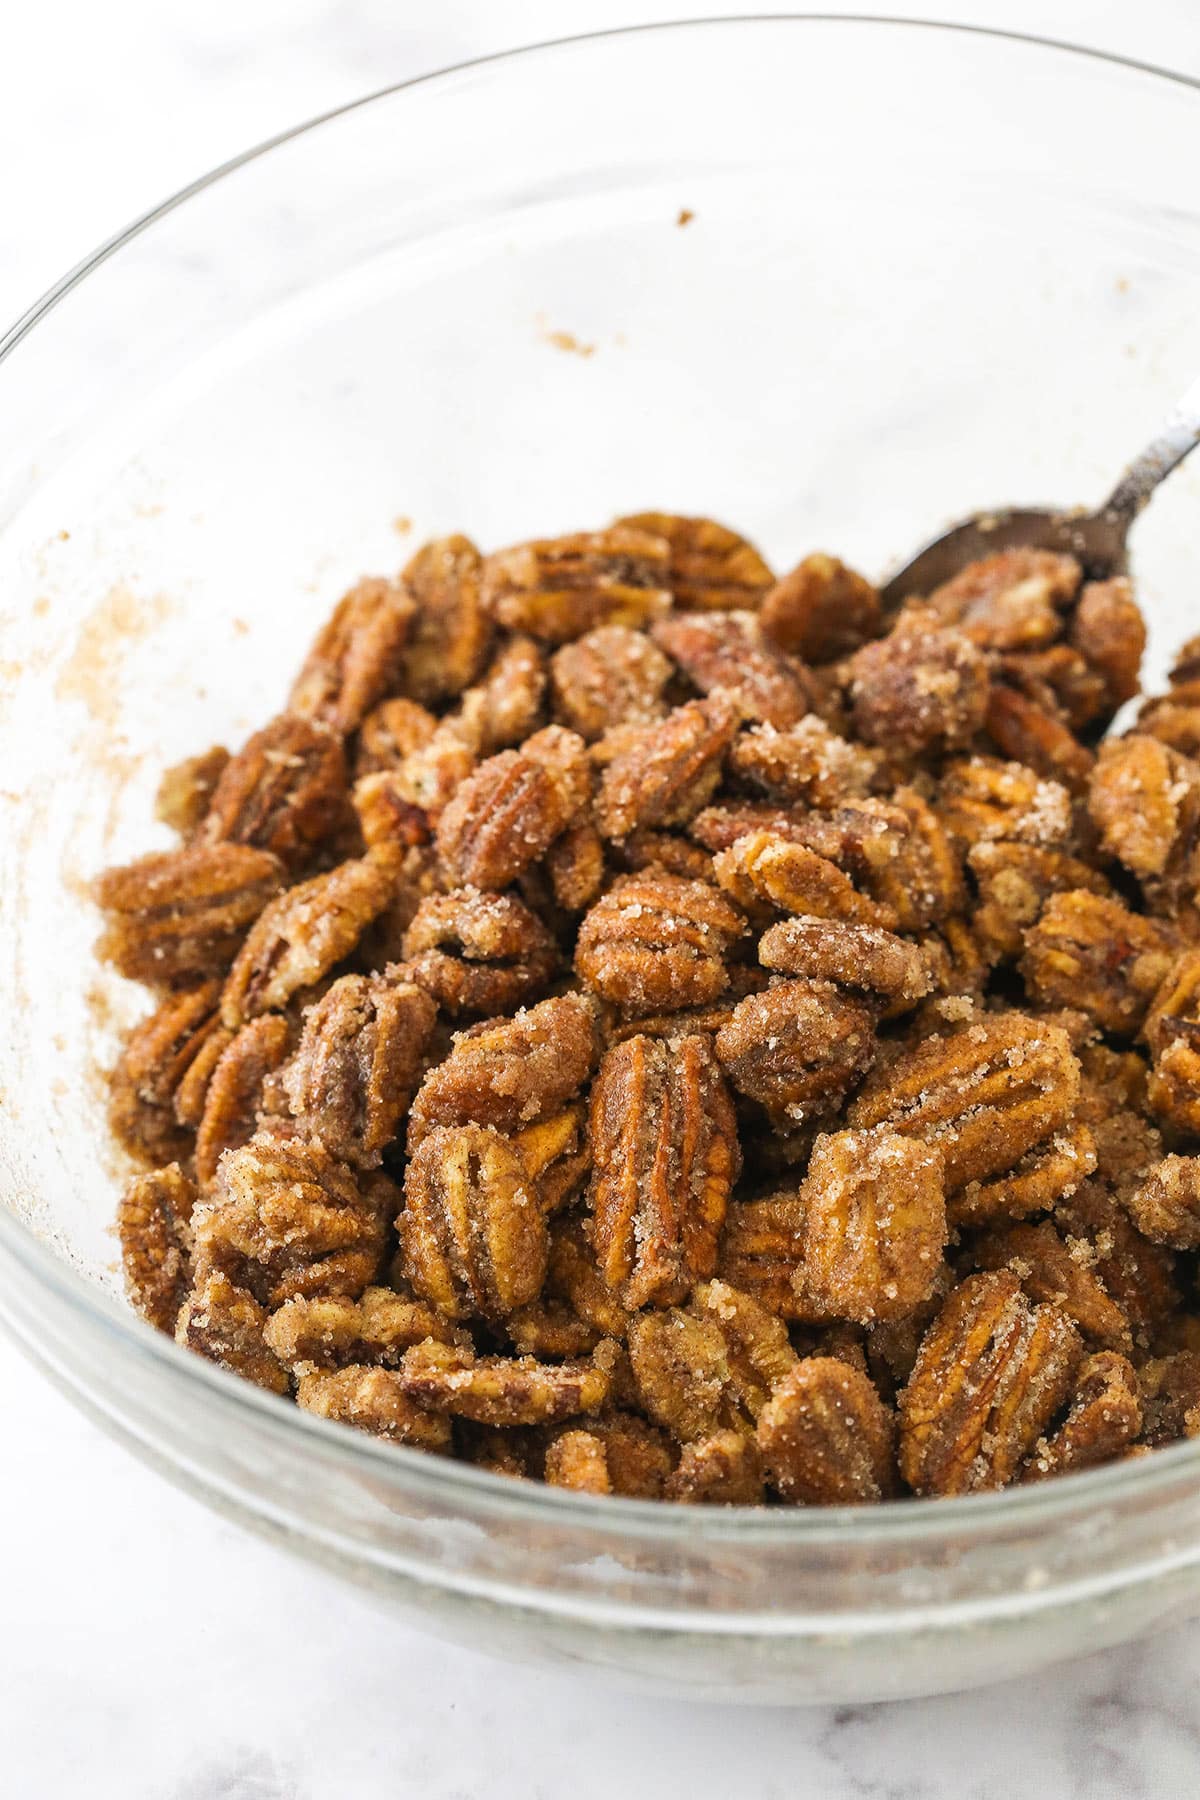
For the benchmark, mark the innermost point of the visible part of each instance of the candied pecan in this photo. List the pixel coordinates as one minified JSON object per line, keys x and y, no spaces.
{"x":992,"y":1372}
{"x":578,"y":1460}
{"x":284,"y":1217}
{"x":235,"y":1090}
{"x":1015,"y":881}
{"x":507,"y":814}
{"x":613,"y":676}
{"x":984,"y":1096}
{"x":477,"y":952}
{"x":1103,"y":1417}
{"x":761,"y":1248}
{"x":549,"y":1330}
{"x":504,"y":708}
{"x":284,"y":791}
{"x":450,"y":633}
{"x":358,"y":1063}
{"x":727,"y":650}
{"x":1013,"y":600}
{"x":179,"y":915}
{"x":797,"y":1047}
{"x":1025,"y":731}
{"x":667,"y":851}
{"x":158,"y":1054}
{"x":923,"y":687}
{"x":1170,"y":1394}
{"x":722,"y":1470}
{"x":807,"y":763}
{"x":1092,"y":953}
{"x":1139,"y":1275}
{"x":559,"y":588}
{"x":851,"y":956}
{"x":1173,"y":1034}
{"x":1059,"y":1270}
{"x":1174,"y":719}
{"x":329,"y":1331}
{"x":557,"y":1155}
{"x":356,"y":657}
{"x":710,"y":1367}
{"x":617,"y":1453}
{"x":709,"y":567}
{"x":1145,"y":801}
{"x":891,"y":1345}
{"x":1048,"y":1173}
{"x":386,"y":814}
{"x":225,"y":1323}
{"x":826,"y":1438}
{"x":1166,"y":1207}
{"x":576,"y":868}
{"x":657,"y":940}
{"x":874,"y":1226}
{"x":915,"y":869}
{"x":822,"y":611}
{"x":764,"y":867}
{"x":473,"y":1231}
{"x":665,"y":1157}
{"x":574,"y":1282}
{"x":303,"y":934}
{"x":982,"y":799}
{"x":374,"y":1400}
{"x":503,"y":1390}
{"x":390,"y":734}
{"x":744,"y":979}
{"x":663,"y":774}
{"x":719,"y":827}
{"x":1062,"y":680}
{"x":187,"y":787}
{"x":152,"y":1224}
{"x":1110,"y":634}
{"x":513,"y":1072}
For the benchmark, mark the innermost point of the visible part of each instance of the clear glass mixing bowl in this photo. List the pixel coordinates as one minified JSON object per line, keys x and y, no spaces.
{"x":927,"y":270}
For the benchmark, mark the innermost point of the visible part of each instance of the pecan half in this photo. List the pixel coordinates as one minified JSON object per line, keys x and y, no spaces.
{"x":503,"y":1390}
{"x":722,"y":1470}
{"x":709,"y":567}
{"x":1061,"y":1270}
{"x":1109,"y":632}
{"x":225,"y":1323}
{"x":727,"y":650}
{"x":285,"y":791}
{"x":822,"y":611}
{"x":1015,"y":881}
{"x":765,"y":867}
{"x":1093,"y":954}
{"x":511,"y":1073}
{"x":797,"y":1047}
{"x":710,"y":1367}
{"x":1138,"y":1275}
{"x":826,"y":1438}
{"x":617,"y":1453}
{"x":507,"y":814}
{"x":761,"y":1248}
{"x":506,"y":705}
{"x":559,"y":588}
{"x":391,"y":733}
{"x":450,"y":634}
{"x":1014,"y":600}
{"x":1166,"y":1207}
{"x":372,"y":1400}
{"x":923,"y":687}
{"x":657,"y":940}
{"x":1144,"y":799}
{"x":663,"y":774}
{"x":473,"y":1231}
{"x":1029,"y":731}
{"x":355,"y":660}
{"x":808,"y":763}
{"x":613,"y":676}
{"x":477,"y":952}
{"x":158,"y":1054}
{"x":1048,"y":1173}
{"x":576,"y":867}
{"x":862,"y":957}
{"x":386,"y":814}
{"x":1104,"y":1417}
{"x":234,"y":1096}
{"x":982,"y":800}
{"x":153,"y":1228}
{"x":179,"y":915}
{"x":330,"y":1331}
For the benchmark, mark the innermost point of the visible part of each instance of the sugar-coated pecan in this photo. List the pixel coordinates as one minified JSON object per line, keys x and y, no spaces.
{"x":1092,"y":953}
{"x":391,"y":733}
{"x":807,"y":763}
{"x":710,"y":568}
{"x":284,"y":791}
{"x":664,"y":1159}
{"x":578,"y":1460}
{"x":668,"y":851}
{"x":1061,"y":680}
{"x":984,"y":1096}
{"x":511,"y":1073}
{"x":426,"y":779}
{"x":1027,"y":731}
{"x":372,"y":1399}
{"x":1109,"y":632}
{"x":574,"y":1282}
{"x":234,"y":1096}
{"x":507,"y":814}
{"x":1103,"y":1417}
{"x":505,"y":706}
{"x":1061,"y":1270}
{"x":473,"y":1231}
{"x":923,"y":687}
{"x":822,"y":611}
{"x":153,"y":1228}
{"x":863,"y":957}
{"x":478,"y":952}
{"x":744,"y":979}
{"x":1038,"y":1180}
{"x":616,"y":1453}
{"x":1173,"y":1034}
{"x":154,"y":1063}
{"x":982,"y":800}
{"x":576,"y":867}
{"x":187,"y":787}
{"x":826,"y":1438}
{"x":613,"y":676}
{"x":356,"y":657}
{"x":722,"y":1470}
{"x":284,"y":1217}
{"x":1166,"y":1206}
{"x":557,"y":589}
{"x":358,"y":1063}
{"x":1139,"y":1275}
{"x":1169,"y":1387}
{"x":1013,"y":600}
{"x":797,"y":1047}
{"x":450,"y":634}
{"x":1014,"y":882}
{"x":761,"y":1248}
{"x":1144,"y":800}
{"x":663,"y":774}
{"x":225,"y":1323}
{"x":1174,"y":718}
{"x":557,"y":1154}
{"x":719,"y":827}
{"x":992,"y":1372}
{"x":766,"y":869}
{"x":657,"y":940}
{"x":503,"y":1390}
{"x":874,"y":1226}
{"x":332,"y":1330}
{"x":385,"y":812}
{"x":914,"y":870}
{"x":727,"y":650}
{"x":709,"y":1367}
{"x":179,"y":915}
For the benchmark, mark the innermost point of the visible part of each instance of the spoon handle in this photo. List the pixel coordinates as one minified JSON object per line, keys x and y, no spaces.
{"x":1179,"y":434}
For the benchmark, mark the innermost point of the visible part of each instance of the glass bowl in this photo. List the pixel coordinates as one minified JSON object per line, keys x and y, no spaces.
{"x":833,"y":281}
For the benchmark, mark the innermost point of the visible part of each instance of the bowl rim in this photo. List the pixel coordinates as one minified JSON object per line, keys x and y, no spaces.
{"x":889,"y":1523}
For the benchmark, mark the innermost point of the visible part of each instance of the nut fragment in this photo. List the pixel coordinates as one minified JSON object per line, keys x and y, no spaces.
{"x":797,"y":1047}
{"x":663,"y":774}
{"x":665,"y":1157}
{"x":356,"y":657}
{"x":983,"y":800}
{"x":1028,"y":731}
{"x":390,"y":733}
{"x":727,"y":650}
{"x":657,"y":940}
{"x":826,"y":1438}
{"x":187,"y":787}
{"x":559,"y":588}
{"x":807,"y":763}
{"x":154,"y":1064}
{"x":284,"y":791}
{"x":179,"y":915}
{"x":152,"y":1224}
{"x":358,"y":1063}
{"x":508,"y":813}
{"x":613,"y":676}
{"x":1015,"y":881}
{"x":761,"y":1248}
{"x":1092,"y":953}
{"x":766,"y":867}
{"x":617,"y":1453}
{"x":1170,"y":1393}
{"x":821,"y":611}
{"x":329,"y":1331}
{"x":722,"y":1470}
{"x":1104,"y":1416}
{"x":923,"y":687}
{"x":1061,"y":1270}
{"x":478,"y":953}
{"x":991,"y":1374}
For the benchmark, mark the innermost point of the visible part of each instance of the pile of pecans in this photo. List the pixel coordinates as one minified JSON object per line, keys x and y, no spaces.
{"x":645,"y":1026}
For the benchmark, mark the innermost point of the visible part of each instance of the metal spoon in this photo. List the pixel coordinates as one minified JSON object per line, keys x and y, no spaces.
{"x":1098,"y":539}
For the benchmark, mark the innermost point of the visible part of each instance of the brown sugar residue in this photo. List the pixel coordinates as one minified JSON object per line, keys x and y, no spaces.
{"x":402,"y":524}
{"x":90,"y":673}
{"x":686,"y":215}
{"x":566,"y":340}
{"x":41,"y":607}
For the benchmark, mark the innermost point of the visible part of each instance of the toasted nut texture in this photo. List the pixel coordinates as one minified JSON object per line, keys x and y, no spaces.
{"x":234,"y":1096}
{"x":450,"y":634}
{"x":709,"y":1367}
{"x":797,"y":1047}
{"x":511,"y":1073}
{"x":1173,"y":1034}
{"x":372,"y":1400}
{"x":1166,"y":1207}
{"x":226,"y":1324}
{"x":559,"y":588}
{"x":613,"y":676}
{"x":178,"y":916}
{"x":808,"y":762}
{"x":923,"y":687}
{"x":663,"y":774}
{"x":1095,"y":954}
{"x":152,"y":1224}
{"x":722,"y":1470}
{"x":1010,"y":601}
{"x":157,"y":1058}
{"x":822,"y":610}
{"x":477,"y":952}
{"x":358,"y":1063}
{"x":1110,"y":633}
{"x":284,"y":792}
{"x":1104,"y":1417}
{"x":709,"y":567}
{"x":860,"y":957}
{"x":185,"y":790}
{"x":473,"y":1231}
{"x":332,"y":1330}
{"x":501,"y":1390}
{"x":506,"y":815}
{"x":665,"y":1157}
{"x":728,"y":650}
{"x":826,"y":1438}
{"x":657,"y":940}
{"x":356,"y":658}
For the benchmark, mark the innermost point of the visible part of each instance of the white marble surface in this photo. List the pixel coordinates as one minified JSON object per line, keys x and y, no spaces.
{"x":149,"y":1651}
